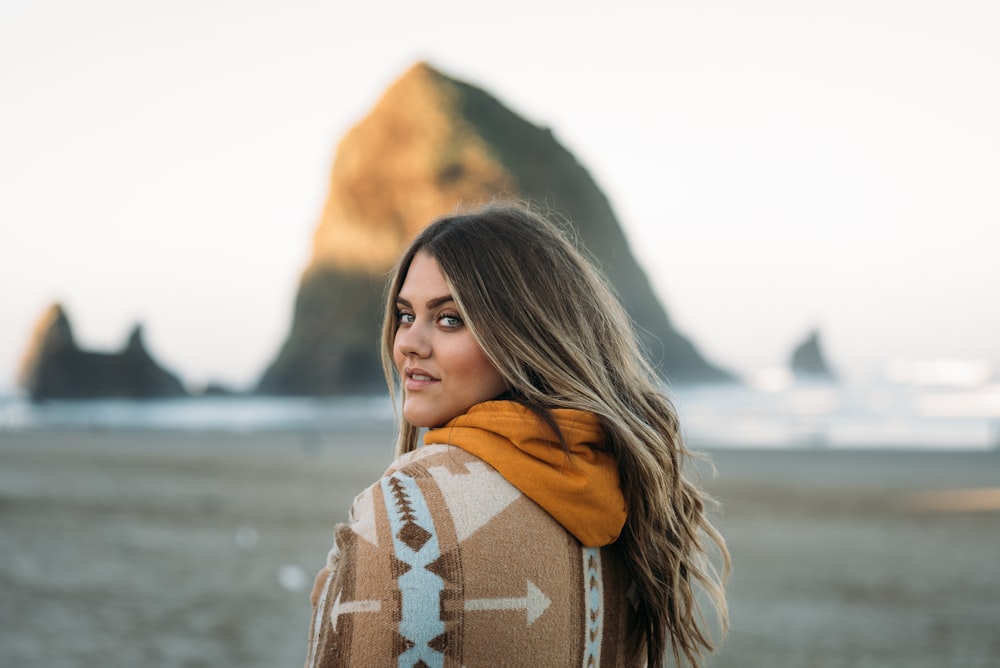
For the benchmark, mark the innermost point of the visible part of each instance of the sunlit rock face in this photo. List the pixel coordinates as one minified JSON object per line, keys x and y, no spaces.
{"x":431,"y":144}
{"x":54,"y":367}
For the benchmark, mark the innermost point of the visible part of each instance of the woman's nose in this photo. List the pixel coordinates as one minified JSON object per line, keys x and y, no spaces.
{"x":412,"y":341}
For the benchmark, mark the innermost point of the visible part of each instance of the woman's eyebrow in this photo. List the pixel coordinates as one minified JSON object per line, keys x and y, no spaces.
{"x":438,"y":301}
{"x":431,"y":303}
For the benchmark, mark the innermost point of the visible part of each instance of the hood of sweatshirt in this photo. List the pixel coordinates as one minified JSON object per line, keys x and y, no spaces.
{"x":580,"y":489}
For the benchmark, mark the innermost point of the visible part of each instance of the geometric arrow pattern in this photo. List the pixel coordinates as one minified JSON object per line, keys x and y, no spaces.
{"x":347,"y":607}
{"x":417,"y":532}
{"x":416,"y":545}
{"x":593,"y":598}
{"x":535,"y":603}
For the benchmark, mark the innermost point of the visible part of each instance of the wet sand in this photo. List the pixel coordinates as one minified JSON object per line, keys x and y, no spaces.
{"x":123,"y":549}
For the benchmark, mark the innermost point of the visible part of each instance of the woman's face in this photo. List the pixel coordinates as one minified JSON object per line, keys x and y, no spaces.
{"x":443,"y":370}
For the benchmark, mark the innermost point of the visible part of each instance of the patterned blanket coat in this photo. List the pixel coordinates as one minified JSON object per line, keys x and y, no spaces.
{"x":444,"y":563}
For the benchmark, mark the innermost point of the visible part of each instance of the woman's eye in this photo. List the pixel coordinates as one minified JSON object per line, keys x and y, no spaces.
{"x":404,"y":318}
{"x":450,"y":321}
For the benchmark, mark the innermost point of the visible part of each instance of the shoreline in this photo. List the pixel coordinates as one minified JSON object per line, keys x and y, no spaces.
{"x":182,"y":548}
{"x":387,"y":427}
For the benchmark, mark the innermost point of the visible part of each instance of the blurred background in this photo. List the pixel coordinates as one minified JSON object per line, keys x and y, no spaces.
{"x":778,"y":168}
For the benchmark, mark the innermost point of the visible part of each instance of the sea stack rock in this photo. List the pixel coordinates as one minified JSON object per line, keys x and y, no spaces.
{"x":808,"y":360}
{"x":54,"y":367}
{"x":431,"y":144}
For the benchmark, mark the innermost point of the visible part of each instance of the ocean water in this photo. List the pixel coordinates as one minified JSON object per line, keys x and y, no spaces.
{"x":825,"y":415}
{"x":793,"y":415}
{"x":227,"y":414}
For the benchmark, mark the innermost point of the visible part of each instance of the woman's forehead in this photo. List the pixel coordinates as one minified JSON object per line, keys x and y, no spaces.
{"x":424,"y":279}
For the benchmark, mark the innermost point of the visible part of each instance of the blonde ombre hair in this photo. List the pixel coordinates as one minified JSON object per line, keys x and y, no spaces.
{"x":553,"y":328}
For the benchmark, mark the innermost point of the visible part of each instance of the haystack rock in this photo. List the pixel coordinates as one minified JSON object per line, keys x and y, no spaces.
{"x":808,"y":360}
{"x":433,"y":143}
{"x":54,"y":367}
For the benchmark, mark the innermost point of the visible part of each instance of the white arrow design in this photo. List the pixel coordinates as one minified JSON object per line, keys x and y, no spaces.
{"x":349,"y":607}
{"x":535,"y":603}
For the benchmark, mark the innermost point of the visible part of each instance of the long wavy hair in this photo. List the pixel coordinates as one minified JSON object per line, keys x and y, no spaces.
{"x":554,"y":329}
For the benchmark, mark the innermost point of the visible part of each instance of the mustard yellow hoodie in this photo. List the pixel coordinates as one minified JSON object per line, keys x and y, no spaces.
{"x":579,"y":488}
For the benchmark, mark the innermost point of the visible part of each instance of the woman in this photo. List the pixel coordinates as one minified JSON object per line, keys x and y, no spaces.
{"x":545,"y":521}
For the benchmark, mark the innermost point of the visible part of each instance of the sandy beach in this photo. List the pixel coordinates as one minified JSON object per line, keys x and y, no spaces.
{"x":123,"y":549}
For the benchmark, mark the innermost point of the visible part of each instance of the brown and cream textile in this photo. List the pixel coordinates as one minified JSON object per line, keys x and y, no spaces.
{"x":446,"y":563}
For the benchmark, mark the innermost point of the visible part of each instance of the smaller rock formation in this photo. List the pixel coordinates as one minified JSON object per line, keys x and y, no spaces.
{"x":54,"y":367}
{"x":808,"y":360}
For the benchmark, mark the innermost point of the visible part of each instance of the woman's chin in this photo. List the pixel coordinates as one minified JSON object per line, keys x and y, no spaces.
{"x":417,"y":417}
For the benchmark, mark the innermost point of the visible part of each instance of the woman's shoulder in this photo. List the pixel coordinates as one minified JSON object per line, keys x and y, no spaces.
{"x":454,"y":474}
{"x":426,"y":452}
{"x":459,"y":490}
{"x":439,"y":456}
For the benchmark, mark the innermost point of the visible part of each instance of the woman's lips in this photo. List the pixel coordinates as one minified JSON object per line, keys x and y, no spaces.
{"x":418,"y":378}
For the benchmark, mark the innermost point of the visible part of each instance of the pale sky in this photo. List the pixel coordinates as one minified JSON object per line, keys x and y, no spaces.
{"x":777,"y":165}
